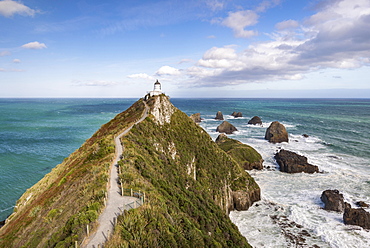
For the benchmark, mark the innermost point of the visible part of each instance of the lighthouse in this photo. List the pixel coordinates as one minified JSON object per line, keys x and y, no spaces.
{"x":157,"y":89}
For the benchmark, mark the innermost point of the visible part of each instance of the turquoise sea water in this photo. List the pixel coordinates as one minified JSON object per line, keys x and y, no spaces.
{"x":37,"y":134}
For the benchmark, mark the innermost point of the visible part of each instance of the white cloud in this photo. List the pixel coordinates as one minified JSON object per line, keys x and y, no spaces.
{"x":9,"y":8}
{"x":4,"y":53}
{"x":17,"y":61}
{"x":239,"y":20}
{"x":183,"y":61}
{"x":267,"y":4}
{"x":287,"y":25}
{"x":220,"y":53}
{"x":215,"y":5}
{"x":337,"y":36}
{"x":34,"y":45}
{"x":224,"y":57}
{"x":168,"y":70}
{"x":140,"y":76}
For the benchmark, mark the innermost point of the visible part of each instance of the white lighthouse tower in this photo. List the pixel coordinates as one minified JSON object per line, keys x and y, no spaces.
{"x":157,"y":89}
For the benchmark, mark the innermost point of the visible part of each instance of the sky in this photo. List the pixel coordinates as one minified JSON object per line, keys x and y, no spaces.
{"x":195,"y":48}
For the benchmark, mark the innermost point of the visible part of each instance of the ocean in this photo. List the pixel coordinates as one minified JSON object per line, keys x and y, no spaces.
{"x":37,"y":134}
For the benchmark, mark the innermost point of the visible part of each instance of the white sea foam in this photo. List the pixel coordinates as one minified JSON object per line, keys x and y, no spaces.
{"x":291,"y":200}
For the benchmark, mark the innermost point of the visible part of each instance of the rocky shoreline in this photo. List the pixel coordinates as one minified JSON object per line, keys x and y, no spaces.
{"x":334,"y":201}
{"x":291,"y":162}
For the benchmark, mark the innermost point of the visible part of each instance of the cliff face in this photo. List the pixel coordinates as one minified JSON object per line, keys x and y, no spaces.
{"x":190,"y":186}
{"x":190,"y":183}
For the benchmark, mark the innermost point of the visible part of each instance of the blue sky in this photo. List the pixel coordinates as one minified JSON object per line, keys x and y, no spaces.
{"x":203,"y":48}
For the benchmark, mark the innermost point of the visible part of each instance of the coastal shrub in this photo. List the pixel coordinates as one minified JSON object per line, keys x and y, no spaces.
{"x":126,"y":177}
{"x":52,"y":213}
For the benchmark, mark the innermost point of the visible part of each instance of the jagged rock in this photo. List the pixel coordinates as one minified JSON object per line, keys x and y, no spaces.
{"x":292,"y":162}
{"x":333,"y":200}
{"x":356,"y":216}
{"x":162,"y":110}
{"x":276,"y":133}
{"x":362,"y":204}
{"x":255,"y":121}
{"x":221,"y":138}
{"x":237,"y":114}
{"x":196,"y":118}
{"x":305,"y":135}
{"x":226,"y":127}
{"x":242,"y":200}
{"x":244,"y":154}
{"x":219,"y":116}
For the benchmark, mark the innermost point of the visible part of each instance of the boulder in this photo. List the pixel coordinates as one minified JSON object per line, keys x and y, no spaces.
{"x":219,"y":116}
{"x":305,"y":135}
{"x":237,"y":114}
{"x":226,"y":127}
{"x":333,"y":200}
{"x":292,"y":162}
{"x":196,"y":118}
{"x":255,"y":121}
{"x":276,"y":133}
{"x":246,"y":156}
{"x":356,"y":216}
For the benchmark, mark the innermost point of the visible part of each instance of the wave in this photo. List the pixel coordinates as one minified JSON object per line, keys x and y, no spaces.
{"x":6,"y":209}
{"x":297,"y":196}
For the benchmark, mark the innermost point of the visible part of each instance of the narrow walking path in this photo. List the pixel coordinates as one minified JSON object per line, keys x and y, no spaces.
{"x":115,"y":201}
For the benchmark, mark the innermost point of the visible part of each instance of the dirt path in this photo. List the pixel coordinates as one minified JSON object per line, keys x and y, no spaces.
{"x":115,"y":202}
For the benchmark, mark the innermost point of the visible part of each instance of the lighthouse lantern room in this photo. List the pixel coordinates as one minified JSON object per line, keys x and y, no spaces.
{"x":157,"y":89}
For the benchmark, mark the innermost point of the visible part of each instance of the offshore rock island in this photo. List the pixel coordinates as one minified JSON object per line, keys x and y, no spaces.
{"x":190,"y":185}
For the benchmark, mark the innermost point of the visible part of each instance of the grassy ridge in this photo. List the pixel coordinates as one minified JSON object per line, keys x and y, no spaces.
{"x":55,"y":211}
{"x":187,"y":179}
{"x":244,"y":154}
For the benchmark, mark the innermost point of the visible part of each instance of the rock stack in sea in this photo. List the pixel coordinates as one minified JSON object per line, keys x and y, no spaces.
{"x":334,"y":201}
{"x":276,"y":133}
{"x":255,"y":121}
{"x":356,"y":216}
{"x":226,"y":127}
{"x":237,"y":114}
{"x":292,"y":162}
{"x":219,"y":116}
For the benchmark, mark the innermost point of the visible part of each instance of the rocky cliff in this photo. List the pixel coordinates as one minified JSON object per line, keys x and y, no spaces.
{"x":190,"y":186}
{"x":190,"y":182}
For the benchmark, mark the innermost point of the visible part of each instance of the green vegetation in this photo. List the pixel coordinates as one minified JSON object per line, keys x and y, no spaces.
{"x":56,"y":210}
{"x":187,"y":179}
{"x":245,"y":155}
